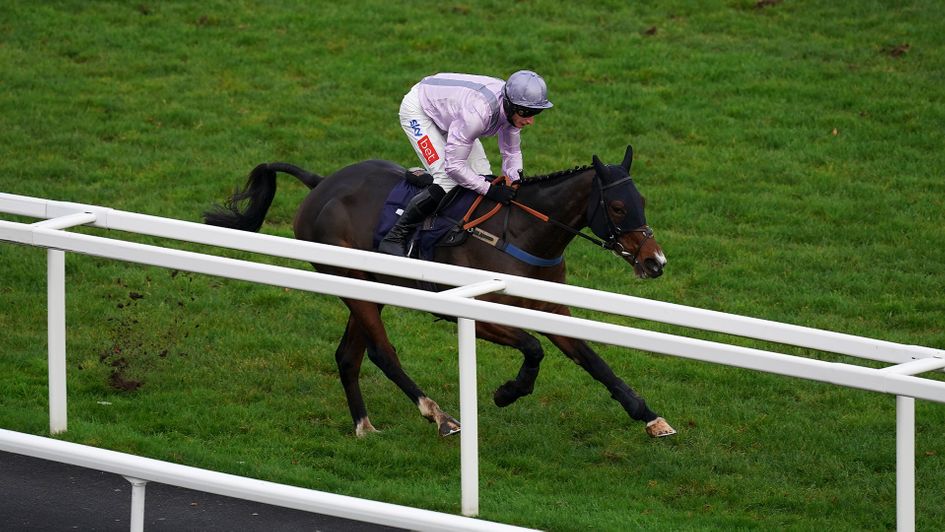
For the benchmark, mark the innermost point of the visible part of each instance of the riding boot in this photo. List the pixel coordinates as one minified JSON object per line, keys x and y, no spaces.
{"x":420,"y":206}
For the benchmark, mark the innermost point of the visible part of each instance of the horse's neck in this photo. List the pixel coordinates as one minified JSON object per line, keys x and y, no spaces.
{"x":564,"y":199}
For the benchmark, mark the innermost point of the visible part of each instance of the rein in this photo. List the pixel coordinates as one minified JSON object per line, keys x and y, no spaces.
{"x":501,"y":243}
{"x":611,"y":244}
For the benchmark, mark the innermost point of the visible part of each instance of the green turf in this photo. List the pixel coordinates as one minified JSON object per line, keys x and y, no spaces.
{"x":791,"y":157}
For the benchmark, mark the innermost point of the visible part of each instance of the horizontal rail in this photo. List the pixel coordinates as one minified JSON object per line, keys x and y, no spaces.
{"x":241,"y":487}
{"x":836,"y":373}
{"x":475,"y":289}
{"x":917,"y":366}
{"x":571,"y":296}
{"x":69,"y":220}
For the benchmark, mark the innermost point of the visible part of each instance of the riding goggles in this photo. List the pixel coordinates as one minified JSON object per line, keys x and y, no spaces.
{"x":525,"y":112}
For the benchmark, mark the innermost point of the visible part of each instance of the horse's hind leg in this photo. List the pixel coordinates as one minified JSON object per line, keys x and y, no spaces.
{"x":382,"y":353}
{"x":349,"y":355}
{"x":532,"y":353}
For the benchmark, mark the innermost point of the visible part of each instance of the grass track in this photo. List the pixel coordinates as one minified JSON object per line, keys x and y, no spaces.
{"x":793,"y":166}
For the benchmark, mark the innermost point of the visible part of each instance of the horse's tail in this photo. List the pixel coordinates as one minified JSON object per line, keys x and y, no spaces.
{"x":246,"y":209}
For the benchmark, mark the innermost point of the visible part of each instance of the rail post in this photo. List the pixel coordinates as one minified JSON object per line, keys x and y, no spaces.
{"x":468,"y":413}
{"x":56,"y":334}
{"x":905,"y":464}
{"x":137,"y":503}
{"x":56,"y":318}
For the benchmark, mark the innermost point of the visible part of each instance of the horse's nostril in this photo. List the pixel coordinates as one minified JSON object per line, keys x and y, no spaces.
{"x":653,"y":268}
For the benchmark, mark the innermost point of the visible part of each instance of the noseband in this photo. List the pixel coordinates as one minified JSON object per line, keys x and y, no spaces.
{"x":617,"y":248}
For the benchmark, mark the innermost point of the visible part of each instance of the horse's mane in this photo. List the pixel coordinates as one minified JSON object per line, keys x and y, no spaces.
{"x":531,"y":180}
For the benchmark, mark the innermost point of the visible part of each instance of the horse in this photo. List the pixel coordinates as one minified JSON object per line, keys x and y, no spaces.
{"x":343,"y":209}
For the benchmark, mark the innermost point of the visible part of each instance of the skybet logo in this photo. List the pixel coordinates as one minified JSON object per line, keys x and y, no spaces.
{"x":415,"y":126}
{"x":427,"y":150}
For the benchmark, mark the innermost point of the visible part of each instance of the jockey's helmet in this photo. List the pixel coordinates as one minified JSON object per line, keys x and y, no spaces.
{"x":525,"y":93}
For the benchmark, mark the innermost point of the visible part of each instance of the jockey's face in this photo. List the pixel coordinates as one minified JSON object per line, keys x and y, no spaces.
{"x":519,"y":121}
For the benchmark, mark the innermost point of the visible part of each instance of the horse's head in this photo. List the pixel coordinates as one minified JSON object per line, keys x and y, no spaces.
{"x":615,"y":213}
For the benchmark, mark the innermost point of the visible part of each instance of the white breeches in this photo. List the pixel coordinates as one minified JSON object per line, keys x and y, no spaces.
{"x":429,"y":142}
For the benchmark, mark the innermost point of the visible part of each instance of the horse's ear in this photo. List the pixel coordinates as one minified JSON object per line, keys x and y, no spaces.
{"x":599,"y":166}
{"x":627,"y":158}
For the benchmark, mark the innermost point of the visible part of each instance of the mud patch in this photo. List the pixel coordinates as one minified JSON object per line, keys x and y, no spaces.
{"x":897,"y":51}
{"x":147,"y":329}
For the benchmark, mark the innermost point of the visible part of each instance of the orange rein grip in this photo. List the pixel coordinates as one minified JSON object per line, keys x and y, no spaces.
{"x":475,"y":204}
{"x":484,"y":217}
{"x":498,"y":207}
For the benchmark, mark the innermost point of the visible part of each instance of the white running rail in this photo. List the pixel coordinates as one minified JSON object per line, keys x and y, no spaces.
{"x":899,"y":379}
{"x":135,"y":469}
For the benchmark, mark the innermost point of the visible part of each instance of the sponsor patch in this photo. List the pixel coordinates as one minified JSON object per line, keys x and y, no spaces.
{"x":415,"y":126}
{"x":426,"y":148}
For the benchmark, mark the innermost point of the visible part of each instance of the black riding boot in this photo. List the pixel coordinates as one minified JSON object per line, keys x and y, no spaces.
{"x":422,"y":205}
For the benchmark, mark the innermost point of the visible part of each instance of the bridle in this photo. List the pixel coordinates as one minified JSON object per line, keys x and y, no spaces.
{"x":609,"y":239}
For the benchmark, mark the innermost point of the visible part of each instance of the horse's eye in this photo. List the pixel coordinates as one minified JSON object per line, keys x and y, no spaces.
{"x":618,"y":209}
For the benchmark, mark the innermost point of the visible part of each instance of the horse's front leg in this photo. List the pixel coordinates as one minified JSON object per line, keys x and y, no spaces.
{"x":532,"y":353}
{"x":584,"y":356}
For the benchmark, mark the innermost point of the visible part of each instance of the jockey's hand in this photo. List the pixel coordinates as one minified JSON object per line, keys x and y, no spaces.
{"x":500,"y":193}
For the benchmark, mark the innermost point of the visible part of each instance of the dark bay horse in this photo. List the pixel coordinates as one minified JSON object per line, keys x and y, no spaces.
{"x":343,"y":210}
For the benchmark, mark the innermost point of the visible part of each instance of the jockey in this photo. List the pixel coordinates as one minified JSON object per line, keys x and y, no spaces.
{"x":444,"y":116}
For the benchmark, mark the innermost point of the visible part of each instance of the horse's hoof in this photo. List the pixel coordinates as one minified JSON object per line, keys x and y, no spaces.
{"x":659,"y":428}
{"x":448,"y":427}
{"x":363,"y":428}
{"x":504,"y":395}
{"x":507,"y":394}
{"x":449,"y":430}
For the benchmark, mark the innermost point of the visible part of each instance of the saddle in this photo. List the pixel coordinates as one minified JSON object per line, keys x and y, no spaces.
{"x":443,"y":228}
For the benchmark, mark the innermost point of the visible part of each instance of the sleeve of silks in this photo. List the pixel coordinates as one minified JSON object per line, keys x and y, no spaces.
{"x":510,"y":147}
{"x":459,"y":141}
